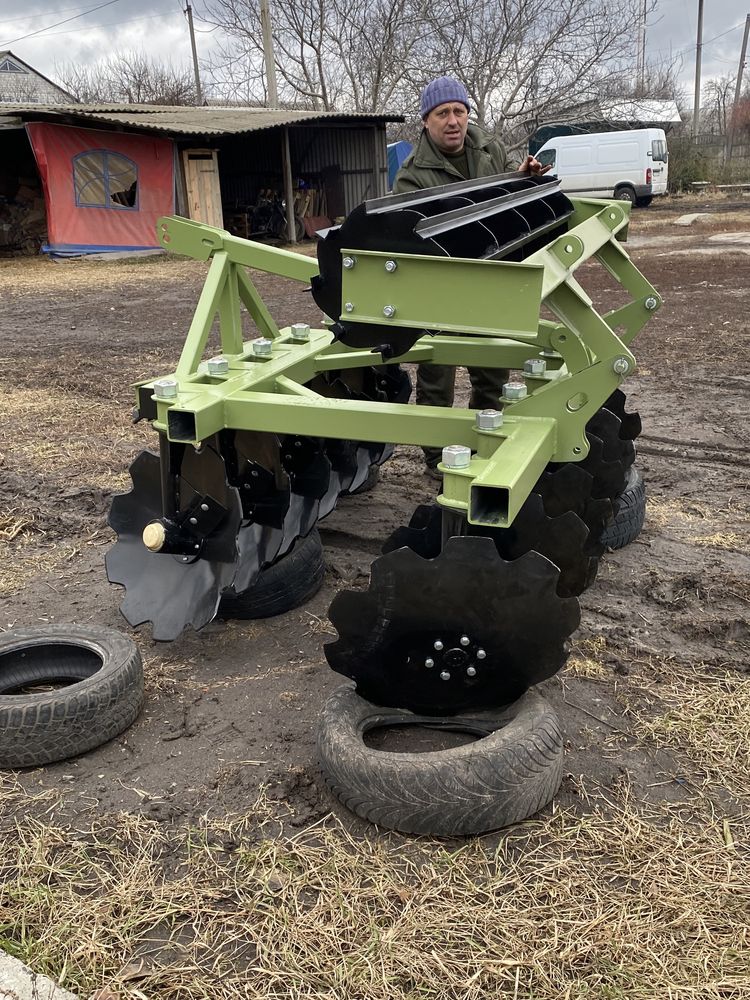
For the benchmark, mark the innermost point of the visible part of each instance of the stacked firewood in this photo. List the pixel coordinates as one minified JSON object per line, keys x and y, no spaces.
{"x":23,"y":220}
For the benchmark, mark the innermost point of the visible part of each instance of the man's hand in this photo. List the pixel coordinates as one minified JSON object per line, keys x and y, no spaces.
{"x":532,"y":166}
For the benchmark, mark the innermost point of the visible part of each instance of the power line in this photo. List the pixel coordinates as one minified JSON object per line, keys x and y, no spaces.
{"x":109,"y":24}
{"x":33,"y":17}
{"x":65,"y":21}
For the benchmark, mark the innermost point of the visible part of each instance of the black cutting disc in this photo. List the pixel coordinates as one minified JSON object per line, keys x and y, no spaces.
{"x":172,"y":591}
{"x":564,"y":540}
{"x":465,"y":630}
{"x":630,"y":422}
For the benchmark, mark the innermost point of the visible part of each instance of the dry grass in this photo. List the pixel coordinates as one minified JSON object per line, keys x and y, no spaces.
{"x":630,"y":905}
{"x":25,"y":560}
{"x":706,"y":719}
{"x":731,"y":540}
{"x":24,"y":274}
{"x":585,"y":659}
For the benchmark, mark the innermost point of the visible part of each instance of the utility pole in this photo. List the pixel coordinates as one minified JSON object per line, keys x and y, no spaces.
{"x":198,"y":92}
{"x":265,"y":20}
{"x":737,"y":92}
{"x":698,"y":47}
{"x":640,"y":71}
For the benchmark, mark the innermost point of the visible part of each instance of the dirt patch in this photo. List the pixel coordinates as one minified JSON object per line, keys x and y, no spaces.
{"x":653,"y":702}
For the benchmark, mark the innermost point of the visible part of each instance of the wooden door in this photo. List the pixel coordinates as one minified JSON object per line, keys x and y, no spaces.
{"x":201,"y":168}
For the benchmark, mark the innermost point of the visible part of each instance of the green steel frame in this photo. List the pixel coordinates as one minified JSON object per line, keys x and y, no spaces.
{"x":488,"y":313}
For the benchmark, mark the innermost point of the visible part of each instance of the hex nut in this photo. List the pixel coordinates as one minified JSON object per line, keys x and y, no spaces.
{"x":489,"y":420}
{"x":651,"y":303}
{"x":391,"y":266}
{"x":389,"y":311}
{"x":514,"y":390}
{"x":166,"y":388}
{"x":456,"y":456}
{"x":262,"y":347}
{"x":348,"y":307}
{"x":218,"y":366}
{"x":300,"y":332}
{"x":348,"y":262}
{"x":621,"y":366}
{"x":535,"y":366}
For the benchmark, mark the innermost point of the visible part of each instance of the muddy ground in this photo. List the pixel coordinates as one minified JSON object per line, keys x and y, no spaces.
{"x":235,"y":706}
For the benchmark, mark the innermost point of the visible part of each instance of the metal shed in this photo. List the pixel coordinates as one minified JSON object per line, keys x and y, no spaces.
{"x":321,"y":163}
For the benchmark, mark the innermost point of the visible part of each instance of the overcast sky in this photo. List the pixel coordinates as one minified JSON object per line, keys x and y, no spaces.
{"x":159,"y":26}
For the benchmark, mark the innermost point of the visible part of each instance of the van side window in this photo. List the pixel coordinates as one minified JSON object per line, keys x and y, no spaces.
{"x":547,"y":156}
{"x":659,"y":150}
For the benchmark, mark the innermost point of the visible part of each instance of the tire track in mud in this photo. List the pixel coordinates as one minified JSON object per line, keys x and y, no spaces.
{"x":721,"y":454}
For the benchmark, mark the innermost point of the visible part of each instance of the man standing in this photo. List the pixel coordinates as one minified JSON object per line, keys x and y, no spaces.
{"x":451,"y":149}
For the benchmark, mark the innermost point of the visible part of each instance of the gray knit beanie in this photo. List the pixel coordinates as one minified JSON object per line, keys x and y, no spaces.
{"x":441,"y":91}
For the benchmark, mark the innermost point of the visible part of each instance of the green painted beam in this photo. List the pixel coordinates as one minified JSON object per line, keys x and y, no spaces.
{"x":495,"y":297}
{"x":193,"y":239}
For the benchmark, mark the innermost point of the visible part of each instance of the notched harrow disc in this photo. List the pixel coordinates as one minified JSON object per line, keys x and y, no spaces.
{"x":630,"y":422}
{"x":463,"y":630}
{"x":564,"y":540}
{"x":173,"y":591}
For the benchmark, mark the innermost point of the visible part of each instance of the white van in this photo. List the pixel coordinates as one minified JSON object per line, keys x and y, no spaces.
{"x":631,"y":165}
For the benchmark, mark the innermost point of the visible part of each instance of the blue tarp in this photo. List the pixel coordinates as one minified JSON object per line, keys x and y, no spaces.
{"x":397,"y":153}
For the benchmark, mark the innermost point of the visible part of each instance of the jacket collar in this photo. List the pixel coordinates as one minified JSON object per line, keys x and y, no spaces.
{"x":428,"y":155}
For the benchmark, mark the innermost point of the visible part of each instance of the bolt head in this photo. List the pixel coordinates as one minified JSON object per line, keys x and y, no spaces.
{"x":300,"y":331}
{"x":444,"y":675}
{"x":489,"y":420}
{"x":535,"y":366}
{"x":193,"y":520}
{"x":456,"y":456}
{"x":166,"y":388}
{"x":429,"y":662}
{"x":437,"y":645}
{"x":348,"y":262}
{"x":204,"y":507}
{"x":471,"y":671}
{"x":568,"y":248}
{"x":514,"y":390}
{"x":348,"y":307}
{"x":651,"y":303}
{"x":389,"y":311}
{"x":481,"y":655}
{"x":465,"y":640}
{"x":391,"y":266}
{"x":218,"y":366}
{"x":621,"y":366}
{"x":262,"y":347}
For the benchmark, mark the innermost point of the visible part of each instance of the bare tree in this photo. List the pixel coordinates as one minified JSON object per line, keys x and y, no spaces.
{"x":717,"y":97}
{"x":129,"y":78}
{"x":523,"y":62}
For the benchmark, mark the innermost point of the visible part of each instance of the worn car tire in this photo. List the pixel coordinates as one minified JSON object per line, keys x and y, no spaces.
{"x":98,"y":692}
{"x":627,"y":523}
{"x":513,"y":770}
{"x":282,"y":586}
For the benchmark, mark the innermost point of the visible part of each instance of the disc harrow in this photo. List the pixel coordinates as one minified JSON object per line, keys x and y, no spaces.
{"x":476,"y":598}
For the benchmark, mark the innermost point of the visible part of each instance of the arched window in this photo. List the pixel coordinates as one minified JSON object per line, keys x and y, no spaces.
{"x":103,"y":179}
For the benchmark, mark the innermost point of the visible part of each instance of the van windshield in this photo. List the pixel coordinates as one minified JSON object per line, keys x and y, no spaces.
{"x":659,"y":150}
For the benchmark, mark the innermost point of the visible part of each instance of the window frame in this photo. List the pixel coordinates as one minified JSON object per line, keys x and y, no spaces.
{"x":105,"y":176}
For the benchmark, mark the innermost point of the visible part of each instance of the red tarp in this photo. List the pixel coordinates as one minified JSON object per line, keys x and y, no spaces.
{"x":103,"y":190}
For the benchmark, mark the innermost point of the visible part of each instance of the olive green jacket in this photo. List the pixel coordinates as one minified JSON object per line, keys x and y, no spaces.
{"x":426,"y":166}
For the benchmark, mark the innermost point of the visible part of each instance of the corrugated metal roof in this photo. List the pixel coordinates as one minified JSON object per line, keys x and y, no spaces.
{"x":188,"y":120}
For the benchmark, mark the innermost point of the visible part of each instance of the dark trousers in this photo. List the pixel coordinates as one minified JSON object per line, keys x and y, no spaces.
{"x":436,"y":386}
